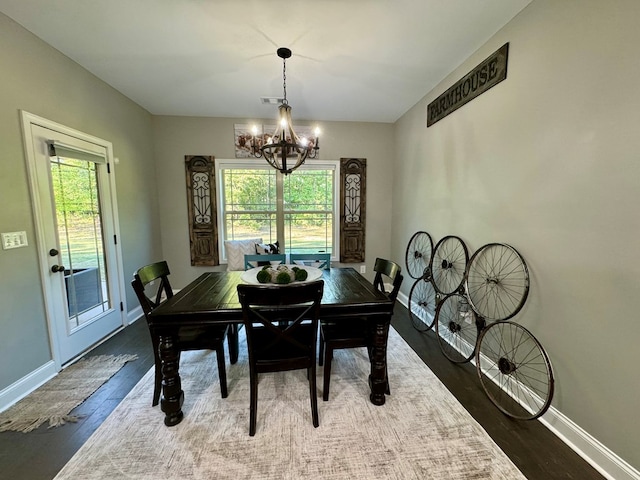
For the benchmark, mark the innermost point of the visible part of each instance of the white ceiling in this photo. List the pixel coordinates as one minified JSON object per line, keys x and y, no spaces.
{"x":353,"y":60}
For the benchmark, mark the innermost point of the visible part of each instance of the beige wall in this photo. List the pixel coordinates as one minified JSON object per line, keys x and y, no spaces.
{"x":40,"y":80}
{"x":175,"y":137}
{"x":547,"y":161}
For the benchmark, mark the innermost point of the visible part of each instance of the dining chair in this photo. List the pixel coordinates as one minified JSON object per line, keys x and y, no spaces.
{"x":318,"y":260}
{"x":254,"y":260}
{"x":281,"y":323}
{"x":357,"y":332}
{"x":152,"y":287}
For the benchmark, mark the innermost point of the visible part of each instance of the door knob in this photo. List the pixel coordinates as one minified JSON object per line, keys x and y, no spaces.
{"x":57,"y":268}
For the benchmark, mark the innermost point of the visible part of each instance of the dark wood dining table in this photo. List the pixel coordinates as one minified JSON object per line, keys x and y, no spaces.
{"x":213,"y":298}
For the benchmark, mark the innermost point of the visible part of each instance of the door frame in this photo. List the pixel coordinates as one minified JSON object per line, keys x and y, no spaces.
{"x":28,"y":120}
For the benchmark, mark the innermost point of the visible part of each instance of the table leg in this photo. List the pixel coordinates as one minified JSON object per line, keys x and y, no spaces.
{"x":172,"y":394}
{"x":378,"y":378}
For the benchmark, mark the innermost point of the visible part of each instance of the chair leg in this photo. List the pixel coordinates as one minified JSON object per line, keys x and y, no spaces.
{"x":321,"y":348}
{"x":253,"y":404}
{"x":232,"y":339}
{"x":222,"y":370}
{"x":386,"y":374}
{"x":328,"y":357}
{"x":313,"y":393}
{"x":157,"y":387}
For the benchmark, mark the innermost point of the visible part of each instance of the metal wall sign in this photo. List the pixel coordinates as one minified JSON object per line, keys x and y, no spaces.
{"x":487,"y":74}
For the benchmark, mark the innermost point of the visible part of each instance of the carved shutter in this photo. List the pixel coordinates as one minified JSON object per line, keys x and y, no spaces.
{"x":353,"y":179}
{"x":201,"y":203}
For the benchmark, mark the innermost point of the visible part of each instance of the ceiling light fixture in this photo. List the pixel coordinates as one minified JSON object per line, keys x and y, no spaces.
{"x":284,"y":150}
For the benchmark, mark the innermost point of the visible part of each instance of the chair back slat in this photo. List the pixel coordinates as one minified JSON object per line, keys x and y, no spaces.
{"x":281,"y":322}
{"x":142,"y":280}
{"x":318,"y":260}
{"x":250,"y":259}
{"x":391,"y":270}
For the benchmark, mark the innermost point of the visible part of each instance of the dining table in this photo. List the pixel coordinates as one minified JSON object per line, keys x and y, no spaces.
{"x":213,"y":298}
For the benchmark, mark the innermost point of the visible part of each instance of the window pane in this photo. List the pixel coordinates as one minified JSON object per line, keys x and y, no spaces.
{"x":309,"y":190}
{"x":249,"y":208}
{"x":240,"y":226}
{"x":79,"y":222}
{"x":308,"y":210}
{"x":309,"y":232}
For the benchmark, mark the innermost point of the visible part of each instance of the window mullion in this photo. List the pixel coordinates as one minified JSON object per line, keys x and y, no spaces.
{"x":280,"y":211}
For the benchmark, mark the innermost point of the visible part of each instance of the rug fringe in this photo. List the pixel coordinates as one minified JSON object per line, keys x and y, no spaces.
{"x":26,"y":422}
{"x":58,"y":420}
{"x":108,"y":359}
{"x":30,"y":424}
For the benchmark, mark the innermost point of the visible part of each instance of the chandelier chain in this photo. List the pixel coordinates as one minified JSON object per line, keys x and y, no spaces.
{"x":284,"y":81}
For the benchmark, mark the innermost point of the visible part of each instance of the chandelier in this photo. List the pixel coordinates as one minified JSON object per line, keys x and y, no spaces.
{"x":284,"y":150}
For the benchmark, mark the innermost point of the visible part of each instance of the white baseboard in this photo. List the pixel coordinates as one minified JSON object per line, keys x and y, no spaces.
{"x":27,"y":384}
{"x":135,"y":314}
{"x":594,"y":452}
{"x":403,"y":299}
{"x":588,"y":447}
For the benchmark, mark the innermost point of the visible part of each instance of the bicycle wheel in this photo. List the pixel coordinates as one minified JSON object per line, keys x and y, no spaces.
{"x":418,"y":255}
{"x":422,"y":304}
{"x":448,"y":264}
{"x":457,"y":328}
{"x":497,"y":282}
{"x":514,"y":370}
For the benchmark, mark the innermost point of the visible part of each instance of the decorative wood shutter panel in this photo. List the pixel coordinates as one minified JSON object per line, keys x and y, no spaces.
{"x":201,"y":203}
{"x":353,"y":180}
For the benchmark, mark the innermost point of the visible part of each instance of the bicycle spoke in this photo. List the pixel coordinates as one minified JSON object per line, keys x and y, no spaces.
{"x":497,"y":281}
{"x":514,"y":370}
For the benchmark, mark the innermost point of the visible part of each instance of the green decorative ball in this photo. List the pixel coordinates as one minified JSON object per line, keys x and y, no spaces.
{"x":263,"y":276}
{"x":301,"y":274}
{"x":283,"y":277}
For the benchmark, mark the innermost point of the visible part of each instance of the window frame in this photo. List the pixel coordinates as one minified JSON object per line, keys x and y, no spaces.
{"x":259,"y":164}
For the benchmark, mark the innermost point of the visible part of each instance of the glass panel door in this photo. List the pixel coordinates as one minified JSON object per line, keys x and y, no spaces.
{"x":79,"y":226}
{"x":73,"y":191}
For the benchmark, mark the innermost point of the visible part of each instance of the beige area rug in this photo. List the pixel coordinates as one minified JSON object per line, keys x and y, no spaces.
{"x":422,"y":431}
{"x":53,"y":401}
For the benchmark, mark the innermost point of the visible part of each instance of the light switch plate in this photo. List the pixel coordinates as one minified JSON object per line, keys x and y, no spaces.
{"x":14,"y":240}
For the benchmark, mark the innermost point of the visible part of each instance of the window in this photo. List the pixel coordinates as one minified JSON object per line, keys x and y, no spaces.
{"x":298,"y":210}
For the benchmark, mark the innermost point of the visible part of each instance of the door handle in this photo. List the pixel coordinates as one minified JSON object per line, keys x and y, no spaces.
{"x":57,"y":268}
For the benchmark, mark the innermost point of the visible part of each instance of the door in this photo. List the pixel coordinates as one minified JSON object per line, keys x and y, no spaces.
{"x":71,"y":184}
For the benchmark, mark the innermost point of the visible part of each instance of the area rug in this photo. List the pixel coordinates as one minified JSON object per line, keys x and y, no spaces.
{"x":421,"y":432}
{"x":53,"y":401}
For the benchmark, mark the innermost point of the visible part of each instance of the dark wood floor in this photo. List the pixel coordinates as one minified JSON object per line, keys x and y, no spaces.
{"x":539,"y":454}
